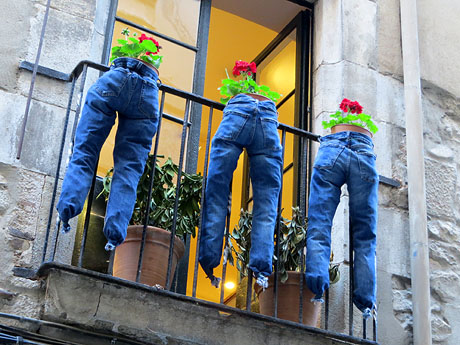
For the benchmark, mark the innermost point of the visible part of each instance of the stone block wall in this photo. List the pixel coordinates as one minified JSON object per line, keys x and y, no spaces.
{"x":75,"y":32}
{"x":358,"y":56}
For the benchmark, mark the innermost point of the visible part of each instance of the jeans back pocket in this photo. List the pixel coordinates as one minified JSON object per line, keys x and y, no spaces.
{"x":327,"y":156}
{"x":148,"y":100}
{"x":231,"y":125}
{"x":112,"y":82}
{"x":271,"y":136}
{"x":367,"y":170}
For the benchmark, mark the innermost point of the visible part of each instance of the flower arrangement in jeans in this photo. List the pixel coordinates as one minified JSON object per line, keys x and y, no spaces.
{"x":351,"y":113}
{"x":140,"y":47}
{"x":246,"y":84}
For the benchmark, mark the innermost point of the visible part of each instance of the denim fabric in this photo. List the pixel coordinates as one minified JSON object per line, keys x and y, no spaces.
{"x":344,"y":157}
{"x":251,"y":124}
{"x":130,"y":89}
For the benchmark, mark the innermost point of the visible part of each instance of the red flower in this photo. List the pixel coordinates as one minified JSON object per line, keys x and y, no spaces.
{"x":355,"y":108}
{"x":144,"y":37}
{"x":349,"y":106}
{"x":344,"y":105}
{"x":244,"y":67}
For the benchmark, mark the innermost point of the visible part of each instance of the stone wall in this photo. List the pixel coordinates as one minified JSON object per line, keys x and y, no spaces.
{"x":75,"y":31}
{"x":358,"y":55}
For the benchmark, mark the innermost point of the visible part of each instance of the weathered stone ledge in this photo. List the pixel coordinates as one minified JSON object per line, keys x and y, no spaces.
{"x":138,"y":311}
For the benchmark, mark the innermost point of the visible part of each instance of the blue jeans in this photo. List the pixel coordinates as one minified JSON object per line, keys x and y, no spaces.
{"x":344,"y":157}
{"x":251,"y":124}
{"x":130,"y":89}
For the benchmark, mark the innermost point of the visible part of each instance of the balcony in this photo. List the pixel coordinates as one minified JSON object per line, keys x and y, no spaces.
{"x":92,"y":306}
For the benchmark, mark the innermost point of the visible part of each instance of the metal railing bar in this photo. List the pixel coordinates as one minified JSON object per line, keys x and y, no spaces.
{"x":52,"y":73}
{"x":277,"y":230}
{"x":326,"y":310}
{"x":111,"y":259}
{"x":58,"y":169}
{"x":56,"y":237}
{"x":176,"y":201}
{"x":374,"y":325}
{"x":175,"y":119}
{"x":87,"y":217}
{"x":299,"y":132}
{"x":32,"y":82}
{"x":249,"y":290}
{"x":364,"y":328}
{"x":303,"y":210}
{"x":156,"y":33}
{"x":45,"y":71}
{"x":78,"y":110}
{"x":301,"y":278}
{"x":203,"y":188}
{"x":192,"y":97}
{"x":226,"y":236}
{"x":350,"y":281}
{"x":389,"y":181}
{"x":149,"y":198}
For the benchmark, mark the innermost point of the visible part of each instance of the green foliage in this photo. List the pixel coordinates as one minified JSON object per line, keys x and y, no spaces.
{"x":293,"y":234}
{"x":232,"y":88}
{"x":133,"y":48}
{"x":163,"y":197}
{"x":361,"y":120}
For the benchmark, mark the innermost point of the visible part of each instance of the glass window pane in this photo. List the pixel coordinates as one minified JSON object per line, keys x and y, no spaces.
{"x":278,"y":69}
{"x":175,"y":18}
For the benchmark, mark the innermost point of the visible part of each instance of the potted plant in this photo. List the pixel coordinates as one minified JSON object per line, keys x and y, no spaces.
{"x":141,"y":47}
{"x":292,"y":243}
{"x":350,"y":117}
{"x":245,"y":84}
{"x":155,"y":261}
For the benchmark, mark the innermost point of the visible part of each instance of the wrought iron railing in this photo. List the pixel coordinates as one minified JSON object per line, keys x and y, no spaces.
{"x":52,"y":231}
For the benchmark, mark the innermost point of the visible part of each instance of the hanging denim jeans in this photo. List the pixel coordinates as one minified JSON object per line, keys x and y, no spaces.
{"x":130,"y":89}
{"x":251,"y":124}
{"x":344,"y":157}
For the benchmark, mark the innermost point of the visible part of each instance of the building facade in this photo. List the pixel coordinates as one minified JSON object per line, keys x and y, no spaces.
{"x":332,"y":49}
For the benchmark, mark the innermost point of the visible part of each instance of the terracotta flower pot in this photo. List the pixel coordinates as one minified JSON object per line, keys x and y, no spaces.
{"x":258,"y":97}
{"x":155,"y":260}
{"x":288,"y":300}
{"x":343,"y":127}
{"x":148,"y":64}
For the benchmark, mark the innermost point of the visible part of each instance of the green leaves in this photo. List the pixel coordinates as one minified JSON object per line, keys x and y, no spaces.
{"x":163,"y":197}
{"x":362,"y":120}
{"x":133,"y":47}
{"x":232,"y":88}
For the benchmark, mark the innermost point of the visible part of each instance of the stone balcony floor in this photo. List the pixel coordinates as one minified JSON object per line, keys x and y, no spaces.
{"x":93,"y":303}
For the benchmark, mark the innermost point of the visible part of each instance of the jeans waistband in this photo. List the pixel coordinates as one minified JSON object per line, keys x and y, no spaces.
{"x":136,"y":66}
{"x":347,"y":136}
{"x":243,"y":99}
